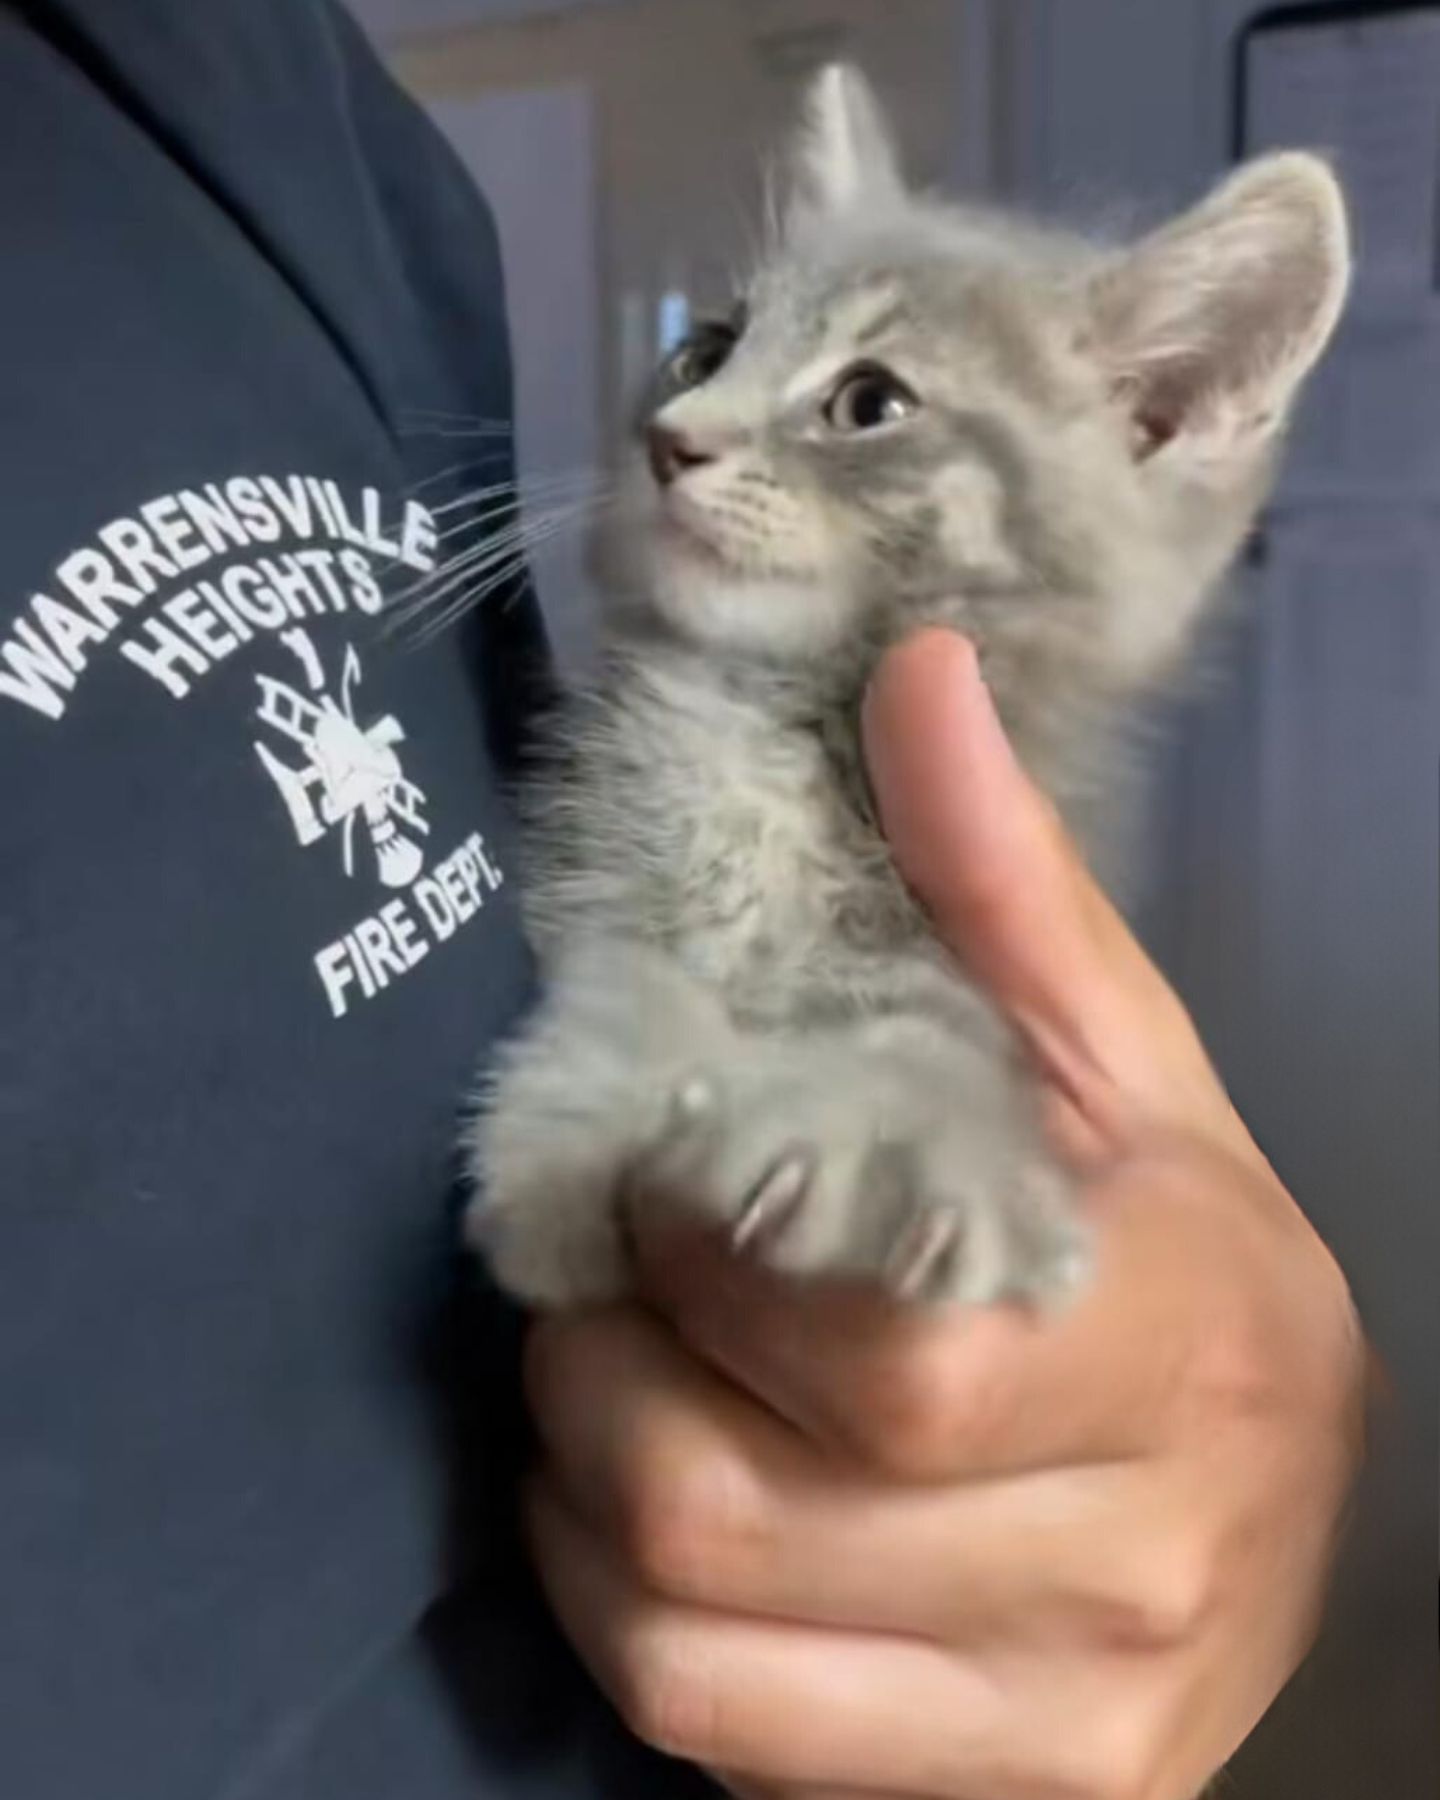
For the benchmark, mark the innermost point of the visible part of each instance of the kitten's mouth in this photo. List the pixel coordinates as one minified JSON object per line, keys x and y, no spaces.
{"x":692,"y":534}
{"x":686,"y":530}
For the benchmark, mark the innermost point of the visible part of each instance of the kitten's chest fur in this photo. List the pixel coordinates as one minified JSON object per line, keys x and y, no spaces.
{"x":733,"y":829}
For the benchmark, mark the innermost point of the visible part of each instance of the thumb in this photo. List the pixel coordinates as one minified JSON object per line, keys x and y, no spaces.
{"x":1009,"y":892}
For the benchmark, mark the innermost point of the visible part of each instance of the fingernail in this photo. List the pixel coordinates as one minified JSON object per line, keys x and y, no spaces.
{"x":987,"y":733}
{"x":924,"y":647}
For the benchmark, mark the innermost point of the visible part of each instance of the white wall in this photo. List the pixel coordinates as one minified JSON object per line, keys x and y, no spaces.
{"x":690,"y":97}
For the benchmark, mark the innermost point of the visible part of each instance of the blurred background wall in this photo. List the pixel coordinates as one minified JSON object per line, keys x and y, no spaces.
{"x":1294,"y":840}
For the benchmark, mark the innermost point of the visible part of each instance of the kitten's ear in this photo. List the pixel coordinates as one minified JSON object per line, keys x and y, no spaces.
{"x":1208,"y":328}
{"x":845,"y":154}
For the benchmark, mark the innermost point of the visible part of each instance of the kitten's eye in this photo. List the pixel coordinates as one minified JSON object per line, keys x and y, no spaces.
{"x":701,"y":357}
{"x":868,"y":397}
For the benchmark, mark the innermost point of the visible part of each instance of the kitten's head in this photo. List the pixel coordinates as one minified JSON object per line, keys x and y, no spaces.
{"x":920,"y":411}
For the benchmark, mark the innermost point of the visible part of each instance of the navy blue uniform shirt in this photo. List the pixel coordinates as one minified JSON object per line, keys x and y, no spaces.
{"x":258,"y":1443}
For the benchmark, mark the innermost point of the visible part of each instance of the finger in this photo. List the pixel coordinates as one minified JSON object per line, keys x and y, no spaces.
{"x":1196,"y":1254}
{"x":709,"y":1500}
{"x":775,"y":1703}
{"x":1010,"y":893}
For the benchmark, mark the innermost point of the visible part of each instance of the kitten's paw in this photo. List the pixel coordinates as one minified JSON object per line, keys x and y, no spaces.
{"x":568,"y":1106}
{"x":554,"y":1240}
{"x":958,"y":1204}
{"x":547,"y":1158}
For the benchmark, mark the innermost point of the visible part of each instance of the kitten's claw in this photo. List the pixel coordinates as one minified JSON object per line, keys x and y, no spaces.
{"x":774,"y":1201}
{"x":860,"y":1174}
{"x":922,"y":1257}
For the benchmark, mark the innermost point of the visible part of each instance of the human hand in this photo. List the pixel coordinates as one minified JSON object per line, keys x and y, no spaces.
{"x":826,"y":1546}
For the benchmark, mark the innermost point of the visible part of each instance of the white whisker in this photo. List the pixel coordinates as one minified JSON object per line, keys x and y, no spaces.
{"x":497,"y":540}
{"x":536,"y":485}
{"x":510,"y":540}
{"x":477,"y":520}
{"x":456,"y":469}
{"x":498,"y":501}
{"x":447,"y":416}
{"x":465,"y":580}
{"x":442,"y":429}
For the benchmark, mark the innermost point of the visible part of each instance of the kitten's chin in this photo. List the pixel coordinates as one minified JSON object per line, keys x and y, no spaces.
{"x":773,"y":618}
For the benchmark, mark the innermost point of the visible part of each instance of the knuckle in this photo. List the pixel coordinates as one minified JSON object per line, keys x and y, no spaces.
{"x":1278,"y":1373}
{"x":1236,"y":1372}
{"x":913,"y":1417}
{"x":663,"y":1695}
{"x":1162,"y":1598}
{"x":685,"y":1521}
{"x":1279,"y":1314}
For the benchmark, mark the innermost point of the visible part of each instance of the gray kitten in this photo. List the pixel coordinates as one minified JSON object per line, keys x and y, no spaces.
{"x":918,"y":414}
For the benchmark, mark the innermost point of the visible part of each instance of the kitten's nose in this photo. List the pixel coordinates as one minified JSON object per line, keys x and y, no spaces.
{"x":672,"y":453}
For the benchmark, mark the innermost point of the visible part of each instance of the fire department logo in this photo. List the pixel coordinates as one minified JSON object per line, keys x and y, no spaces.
{"x":349,"y":777}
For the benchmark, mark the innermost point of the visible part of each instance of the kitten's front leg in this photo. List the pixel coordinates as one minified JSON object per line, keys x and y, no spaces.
{"x":571,"y":1104}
